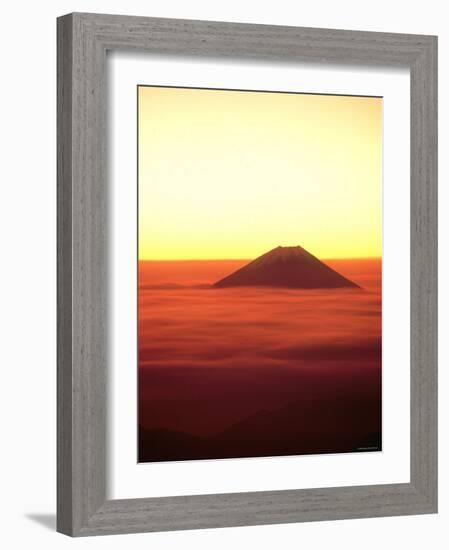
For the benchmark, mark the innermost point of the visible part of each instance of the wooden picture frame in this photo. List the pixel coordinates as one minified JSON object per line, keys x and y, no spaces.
{"x":83,"y":40}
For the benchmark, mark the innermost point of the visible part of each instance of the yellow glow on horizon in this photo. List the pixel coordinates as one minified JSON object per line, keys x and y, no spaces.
{"x":229,"y":174}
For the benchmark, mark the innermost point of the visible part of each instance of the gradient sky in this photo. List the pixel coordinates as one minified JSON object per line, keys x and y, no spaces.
{"x":230,"y":174}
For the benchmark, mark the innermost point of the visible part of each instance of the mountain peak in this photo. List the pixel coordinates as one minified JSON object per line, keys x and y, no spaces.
{"x":287,"y":267}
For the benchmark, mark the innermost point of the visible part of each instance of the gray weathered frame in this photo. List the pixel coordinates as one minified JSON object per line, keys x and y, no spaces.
{"x":83,"y":40}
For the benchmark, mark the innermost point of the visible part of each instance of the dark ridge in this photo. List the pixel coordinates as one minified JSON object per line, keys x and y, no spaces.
{"x":302,"y":427}
{"x":287,"y":267}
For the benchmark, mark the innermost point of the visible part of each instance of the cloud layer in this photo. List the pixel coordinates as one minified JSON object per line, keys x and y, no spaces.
{"x":208,"y":358}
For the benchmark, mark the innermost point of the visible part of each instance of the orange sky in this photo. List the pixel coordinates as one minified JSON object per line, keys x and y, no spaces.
{"x":230,"y":174}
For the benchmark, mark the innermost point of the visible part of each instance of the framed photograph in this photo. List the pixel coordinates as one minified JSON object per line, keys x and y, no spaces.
{"x":247,"y":280}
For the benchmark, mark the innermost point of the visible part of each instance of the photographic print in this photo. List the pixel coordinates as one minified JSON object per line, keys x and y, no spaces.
{"x":259,"y":273}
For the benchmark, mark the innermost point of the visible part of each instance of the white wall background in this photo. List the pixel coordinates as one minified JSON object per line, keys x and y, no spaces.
{"x":27,"y":289}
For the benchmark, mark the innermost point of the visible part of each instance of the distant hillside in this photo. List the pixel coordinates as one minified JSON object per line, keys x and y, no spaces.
{"x":303,"y":427}
{"x":287,"y":267}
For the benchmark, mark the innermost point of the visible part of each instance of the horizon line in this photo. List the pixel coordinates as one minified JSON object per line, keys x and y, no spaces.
{"x":247,"y":259}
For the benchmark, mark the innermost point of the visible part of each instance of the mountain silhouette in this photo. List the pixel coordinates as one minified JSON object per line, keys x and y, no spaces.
{"x":341,"y":423}
{"x":286,"y":267}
